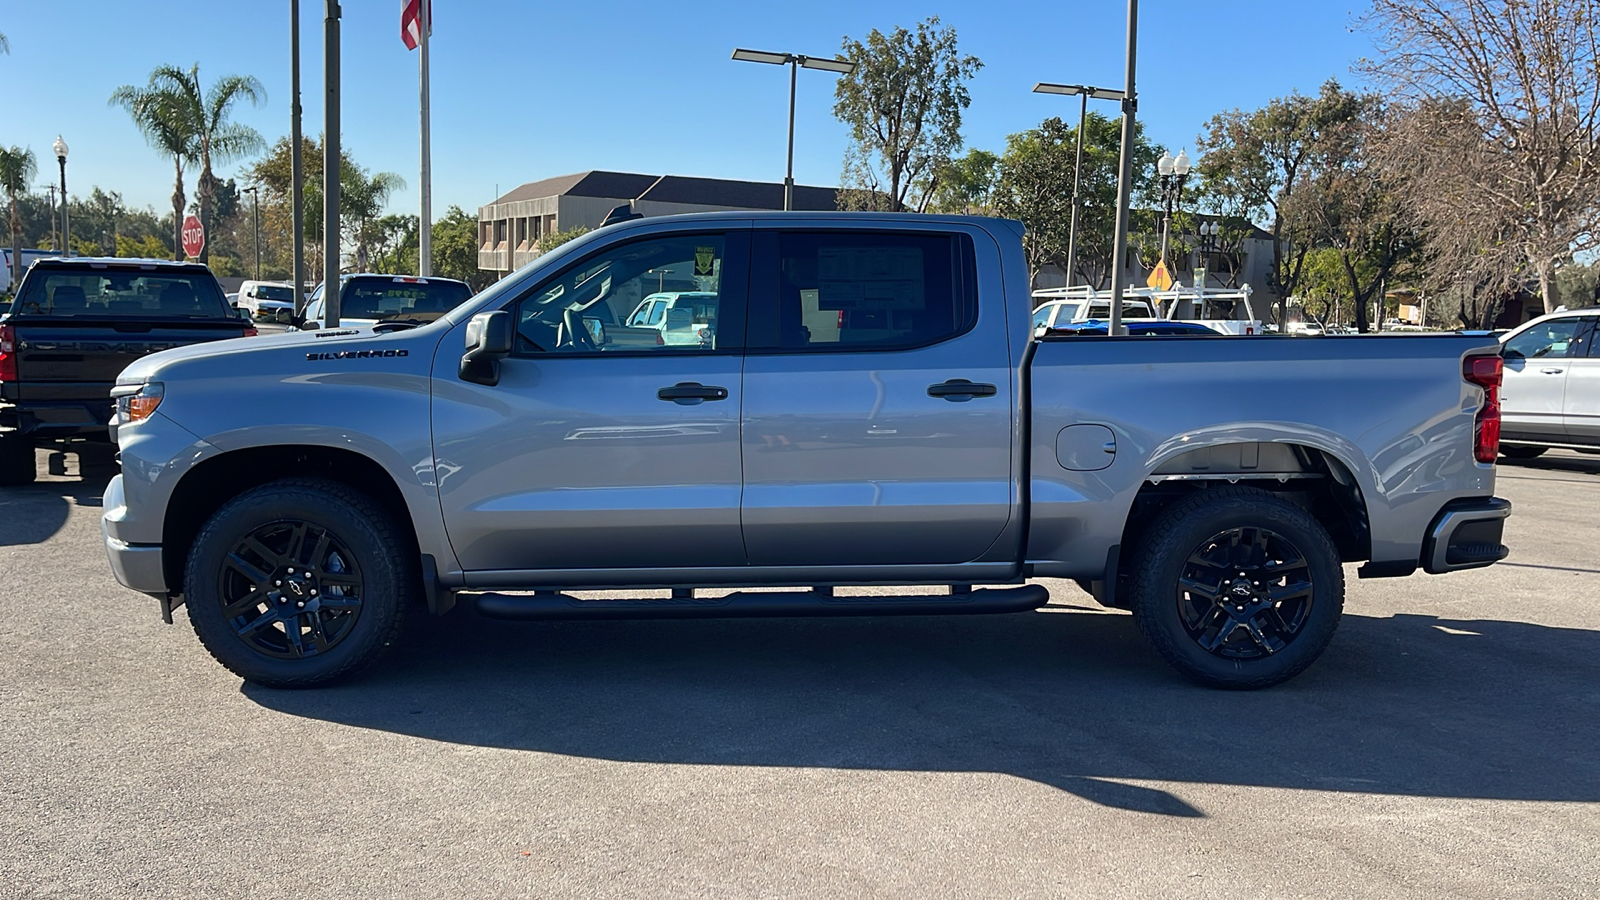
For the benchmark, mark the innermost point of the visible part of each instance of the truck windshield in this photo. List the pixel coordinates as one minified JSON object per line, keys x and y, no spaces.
{"x":394,"y":299}
{"x":77,"y":292}
{"x":274,"y":292}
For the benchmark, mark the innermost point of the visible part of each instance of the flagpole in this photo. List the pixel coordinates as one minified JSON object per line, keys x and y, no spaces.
{"x":425,"y":225}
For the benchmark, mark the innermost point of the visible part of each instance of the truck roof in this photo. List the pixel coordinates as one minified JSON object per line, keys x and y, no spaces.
{"x":102,"y":262}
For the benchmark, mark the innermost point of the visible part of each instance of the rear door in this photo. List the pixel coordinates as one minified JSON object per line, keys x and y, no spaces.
{"x":878,"y":401}
{"x":1581,"y":404}
{"x":1533,"y":392}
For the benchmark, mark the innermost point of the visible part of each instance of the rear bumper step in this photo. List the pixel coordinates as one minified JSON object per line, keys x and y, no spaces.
{"x":1466,"y":535}
{"x":541,"y":606}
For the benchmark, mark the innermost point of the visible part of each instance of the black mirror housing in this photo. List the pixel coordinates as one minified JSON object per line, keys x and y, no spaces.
{"x":488,"y":340}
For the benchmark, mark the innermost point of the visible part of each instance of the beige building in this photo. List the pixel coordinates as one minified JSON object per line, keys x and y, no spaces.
{"x":509,"y":228}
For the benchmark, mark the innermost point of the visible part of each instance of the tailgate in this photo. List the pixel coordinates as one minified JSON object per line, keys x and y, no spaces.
{"x":78,"y":358}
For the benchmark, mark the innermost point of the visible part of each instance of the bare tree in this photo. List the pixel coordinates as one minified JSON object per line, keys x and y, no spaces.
{"x":1512,"y":90}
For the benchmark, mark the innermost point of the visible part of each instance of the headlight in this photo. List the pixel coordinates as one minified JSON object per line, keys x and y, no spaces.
{"x":135,"y":402}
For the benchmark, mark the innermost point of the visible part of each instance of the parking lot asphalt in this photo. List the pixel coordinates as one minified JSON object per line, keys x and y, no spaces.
{"x":1447,"y":745}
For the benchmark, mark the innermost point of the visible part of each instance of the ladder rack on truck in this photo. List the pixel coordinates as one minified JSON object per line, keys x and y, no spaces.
{"x":1226,"y":310}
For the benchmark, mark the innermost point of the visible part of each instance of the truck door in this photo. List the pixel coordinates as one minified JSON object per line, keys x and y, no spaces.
{"x":878,"y":401}
{"x":1535,"y":382}
{"x":591,"y":453}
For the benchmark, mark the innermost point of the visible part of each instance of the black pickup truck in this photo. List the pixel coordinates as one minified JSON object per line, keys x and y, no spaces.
{"x":74,"y":324}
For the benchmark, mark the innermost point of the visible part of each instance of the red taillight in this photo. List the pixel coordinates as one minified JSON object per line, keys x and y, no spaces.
{"x":251,"y":331}
{"x":1486,"y":372}
{"x":8,"y":353}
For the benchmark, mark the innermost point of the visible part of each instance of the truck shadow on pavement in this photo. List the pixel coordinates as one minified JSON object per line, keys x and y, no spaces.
{"x":1410,"y":705}
{"x":33,"y":513}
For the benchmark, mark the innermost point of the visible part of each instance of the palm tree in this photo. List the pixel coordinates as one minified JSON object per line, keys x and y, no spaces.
{"x":17,"y":168}
{"x":5,"y":45}
{"x":157,"y":113}
{"x":362,"y":198}
{"x":203,"y":115}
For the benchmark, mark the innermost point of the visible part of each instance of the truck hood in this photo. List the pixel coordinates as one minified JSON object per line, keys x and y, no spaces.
{"x":276,"y":352}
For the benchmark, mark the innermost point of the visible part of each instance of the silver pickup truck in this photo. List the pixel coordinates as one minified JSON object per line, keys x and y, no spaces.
{"x":872,"y":408}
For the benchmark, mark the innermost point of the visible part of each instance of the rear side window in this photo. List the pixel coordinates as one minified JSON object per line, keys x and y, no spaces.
{"x":863,"y":290}
{"x":121,"y":294}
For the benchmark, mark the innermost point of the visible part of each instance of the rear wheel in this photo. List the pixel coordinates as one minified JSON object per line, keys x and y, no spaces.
{"x":16,"y":459}
{"x":1237,"y":588}
{"x":1521,"y":452}
{"x":298,"y":583}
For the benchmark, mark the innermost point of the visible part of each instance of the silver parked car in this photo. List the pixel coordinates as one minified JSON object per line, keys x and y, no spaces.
{"x":1551,"y":396}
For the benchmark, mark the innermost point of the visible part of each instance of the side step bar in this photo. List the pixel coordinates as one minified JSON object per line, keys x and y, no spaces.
{"x":543,"y":606}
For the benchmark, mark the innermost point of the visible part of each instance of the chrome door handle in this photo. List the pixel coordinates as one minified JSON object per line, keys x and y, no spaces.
{"x":1551,"y":371}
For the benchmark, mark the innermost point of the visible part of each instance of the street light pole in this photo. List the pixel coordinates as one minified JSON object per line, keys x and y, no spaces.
{"x":330,"y":166}
{"x":1083,"y":92}
{"x":296,"y":169}
{"x":1119,"y":241}
{"x":794,"y":61}
{"x":255,"y":224}
{"x":60,"y":147}
{"x":1173,"y":172}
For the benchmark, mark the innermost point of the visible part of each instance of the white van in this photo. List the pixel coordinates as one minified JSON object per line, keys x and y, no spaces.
{"x":267,"y":301}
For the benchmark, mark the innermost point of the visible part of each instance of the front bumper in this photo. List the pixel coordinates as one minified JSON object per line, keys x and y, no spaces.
{"x":1466,"y":535}
{"x":137,"y":566}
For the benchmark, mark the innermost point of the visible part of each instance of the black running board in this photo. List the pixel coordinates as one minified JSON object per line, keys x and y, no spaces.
{"x":541,"y":606}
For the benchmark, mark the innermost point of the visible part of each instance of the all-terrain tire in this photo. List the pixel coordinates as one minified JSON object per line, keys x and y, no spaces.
{"x":16,"y":459}
{"x":1183,"y":543}
{"x":252,"y":639}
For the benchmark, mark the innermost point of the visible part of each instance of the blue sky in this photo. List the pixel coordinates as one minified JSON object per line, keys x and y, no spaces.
{"x":524,"y":90}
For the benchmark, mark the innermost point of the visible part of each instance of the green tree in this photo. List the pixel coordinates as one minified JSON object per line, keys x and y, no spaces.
{"x":1254,"y":162}
{"x":551,"y":240}
{"x":156,"y":110}
{"x":903,"y":104}
{"x":17,"y":168}
{"x":1035,"y":187}
{"x":455,"y":248}
{"x":394,"y":244}
{"x":203,"y":115}
{"x":272,"y":173}
{"x":5,"y":45}
{"x":147,"y":247}
{"x":967,"y":184}
{"x":362,"y":198}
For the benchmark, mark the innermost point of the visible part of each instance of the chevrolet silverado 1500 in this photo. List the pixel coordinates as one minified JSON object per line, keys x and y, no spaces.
{"x":872,"y":409}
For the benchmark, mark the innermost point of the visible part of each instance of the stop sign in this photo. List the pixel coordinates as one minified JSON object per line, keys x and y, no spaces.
{"x":194,"y":236}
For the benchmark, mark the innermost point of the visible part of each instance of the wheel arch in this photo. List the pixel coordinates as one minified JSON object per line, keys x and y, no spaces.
{"x":214,"y":481}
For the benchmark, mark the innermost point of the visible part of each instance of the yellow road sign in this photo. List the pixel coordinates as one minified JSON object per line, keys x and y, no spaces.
{"x":1160,"y":279}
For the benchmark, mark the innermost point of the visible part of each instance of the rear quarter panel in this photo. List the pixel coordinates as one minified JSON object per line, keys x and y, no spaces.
{"x":1394,"y":410}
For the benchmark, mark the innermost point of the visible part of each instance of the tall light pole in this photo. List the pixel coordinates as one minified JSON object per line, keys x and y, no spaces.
{"x":330,"y":165}
{"x":794,"y":61}
{"x":255,"y":223}
{"x":1119,"y":240}
{"x":1083,"y":92}
{"x":1173,"y":172}
{"x":296,"y":169}
{"x":60,"y":147}
{"x":55,"y":221}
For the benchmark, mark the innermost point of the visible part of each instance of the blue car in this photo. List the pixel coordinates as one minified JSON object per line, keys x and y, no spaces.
{"x":1135,"y":328}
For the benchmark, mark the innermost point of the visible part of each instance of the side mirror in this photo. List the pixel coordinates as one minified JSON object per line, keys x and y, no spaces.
{"x":596,"y":329}
{"x":488,"y":341}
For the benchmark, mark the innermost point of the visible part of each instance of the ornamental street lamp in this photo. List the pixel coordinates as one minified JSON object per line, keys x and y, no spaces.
{"x":60,"y":147}
{"x":794,"y":62}
{"x":255,"y":226}
{"x":1083,"y":92}
{"x":1173,"y":172}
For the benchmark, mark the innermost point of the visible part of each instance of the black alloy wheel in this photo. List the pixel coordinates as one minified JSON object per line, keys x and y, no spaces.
{"x":1237,"y":587}
{"x":291,"y":589}
{"x":1245,"y":593}
{"x":300,"y":582}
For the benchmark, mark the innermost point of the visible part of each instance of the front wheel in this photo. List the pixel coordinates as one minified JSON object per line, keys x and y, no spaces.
{"x":1237,"y":588}
{"x":298,"y":583}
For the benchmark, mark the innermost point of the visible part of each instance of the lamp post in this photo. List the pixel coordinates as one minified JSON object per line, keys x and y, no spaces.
{"x":255,"y":223}
{"x":60,"y":147}
{"x":1173,"y":172}
{"x":1083,"y":92}
{"x":55,"y":222}
{"x":794,"y":61}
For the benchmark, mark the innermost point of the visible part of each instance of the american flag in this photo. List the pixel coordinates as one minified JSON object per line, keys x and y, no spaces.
{"x":410,"y":25}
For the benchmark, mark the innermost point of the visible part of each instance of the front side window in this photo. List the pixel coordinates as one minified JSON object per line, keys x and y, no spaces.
{"x":670,"y":293}
{"x":1547,"y":340}
{"x":862,"y":291}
